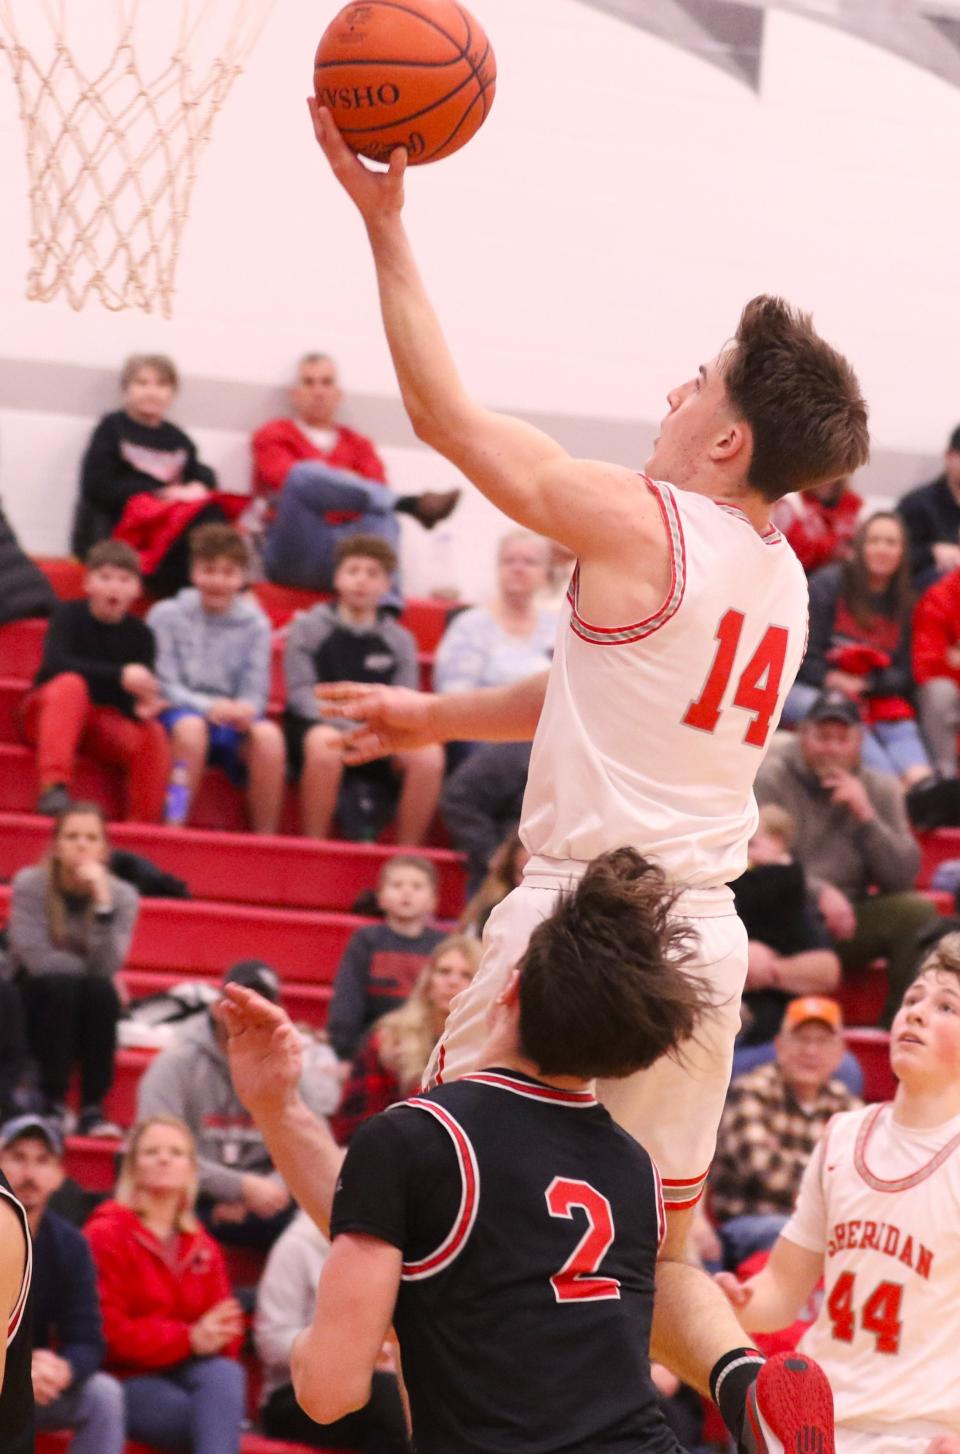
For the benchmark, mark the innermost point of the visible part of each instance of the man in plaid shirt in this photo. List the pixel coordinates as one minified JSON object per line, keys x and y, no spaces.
{"x":773,"y":1119}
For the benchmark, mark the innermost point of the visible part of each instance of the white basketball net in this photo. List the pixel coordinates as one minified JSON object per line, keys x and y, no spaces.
{"x":112,"y":148}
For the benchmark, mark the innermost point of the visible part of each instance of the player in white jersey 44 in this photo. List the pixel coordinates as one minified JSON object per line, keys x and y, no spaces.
{"x":878,"y":1217}
{"x":686,"y":627}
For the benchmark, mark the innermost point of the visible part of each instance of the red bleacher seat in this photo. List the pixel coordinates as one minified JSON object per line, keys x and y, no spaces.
{"x":249,"y":1444}
{"x":862,"y":994}
{"x":937,"y":848}
{"x":872,"y":1049}
{"x":292,"y":873}
{"x":121,"y":1102}
{"x":92,"y":1161}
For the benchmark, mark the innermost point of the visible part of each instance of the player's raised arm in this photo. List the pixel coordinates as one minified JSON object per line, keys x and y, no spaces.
{"x":592,"y":508}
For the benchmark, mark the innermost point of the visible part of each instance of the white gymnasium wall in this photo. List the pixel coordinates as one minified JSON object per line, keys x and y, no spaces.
{"x":590,"y":247}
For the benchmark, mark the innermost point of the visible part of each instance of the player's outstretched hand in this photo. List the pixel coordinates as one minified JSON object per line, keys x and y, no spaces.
{"x":264,"y":1050}
{"x":391,"y":719}
{"x":737,"y":1292}
{"x":378,"y":195}
{"x":944,"y":1444}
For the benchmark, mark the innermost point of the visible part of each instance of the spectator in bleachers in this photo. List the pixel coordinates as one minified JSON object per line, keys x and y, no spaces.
{"x":513,"y":637}
{"x":241,"y":1199}
{"x":142,"y":479}
{"x":931,"y":514}
{"x":70,"y":1392}
{"x":319,"y":482}
{"x":213,"y":667}
{"x":350,"y":640}
{"x":13,"y":1042}
{"x":172,"y":1326}
{"x":790,"y":951}
{"x":936,"y":669}
{"x":820,"y":523}
{"x":382,"y":961}
{"x":853,"y":839}
{"x":859,"y":644}
{"x":773,"y":1119}
{"x":390,"y":1062}
{"x":504,"y":874}
{"x":71,"y":923}
{"x":286,"y":1296}
{"x":481,"y":799}
{"x":96,"y":691}
{"x":24,"y":589}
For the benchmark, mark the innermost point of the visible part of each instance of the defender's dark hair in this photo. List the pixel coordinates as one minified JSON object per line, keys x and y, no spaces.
{"x":800,"y":398}
{"x":604,"y":989}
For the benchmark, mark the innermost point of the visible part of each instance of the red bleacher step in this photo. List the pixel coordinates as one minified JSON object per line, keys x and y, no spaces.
{"x":872,"y":1049}
{"x":59,"y":1443}
{"x":205,"y":938}
{"x":295,"y":873}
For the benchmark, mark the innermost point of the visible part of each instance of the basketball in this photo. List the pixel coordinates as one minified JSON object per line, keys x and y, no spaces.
{"x":419,"y":74}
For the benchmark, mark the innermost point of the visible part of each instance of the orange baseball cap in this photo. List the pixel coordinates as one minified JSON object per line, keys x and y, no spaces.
{"x":813,"y":1007}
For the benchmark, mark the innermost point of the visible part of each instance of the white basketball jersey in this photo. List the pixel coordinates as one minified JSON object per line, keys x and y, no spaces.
{"x":652,"y":733}
{"x":882,"y":1202}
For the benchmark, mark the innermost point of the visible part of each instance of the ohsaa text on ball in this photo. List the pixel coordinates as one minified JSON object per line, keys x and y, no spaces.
{"x":352,"y":98}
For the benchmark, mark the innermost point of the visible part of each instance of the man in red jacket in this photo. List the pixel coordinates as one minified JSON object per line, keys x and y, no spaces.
{"x":320,"y":481}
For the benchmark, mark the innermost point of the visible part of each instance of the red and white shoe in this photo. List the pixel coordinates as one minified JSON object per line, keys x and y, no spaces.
{"x":789,"y":1409}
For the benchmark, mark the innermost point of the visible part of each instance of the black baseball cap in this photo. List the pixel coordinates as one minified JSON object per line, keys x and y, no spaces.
{"x":35,"y":1126}
{"x":254,"y":974}
{"x":955,"y":440}
{"x":835,"y":707}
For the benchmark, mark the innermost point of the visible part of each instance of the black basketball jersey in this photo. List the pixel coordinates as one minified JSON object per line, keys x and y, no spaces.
{"x":16,"y":1395}
{"x":529,"y":1224}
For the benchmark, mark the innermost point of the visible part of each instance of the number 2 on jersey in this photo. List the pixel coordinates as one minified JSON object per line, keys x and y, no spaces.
{"x":759,"y":683}
{"x":577,"y":1279}
{"x":879,"y":1315}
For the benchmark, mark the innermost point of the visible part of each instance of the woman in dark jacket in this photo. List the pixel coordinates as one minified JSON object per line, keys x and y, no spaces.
{"x":860,"y":613}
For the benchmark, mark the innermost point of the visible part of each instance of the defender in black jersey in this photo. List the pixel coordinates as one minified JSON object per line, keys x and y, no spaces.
{"x":510,"y":1229}
{"x":16,"y":1384}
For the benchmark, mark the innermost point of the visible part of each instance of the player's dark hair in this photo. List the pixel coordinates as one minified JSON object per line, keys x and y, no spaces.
{"x":113,"y":552}
{"x":603,"y":986}
{"x":371,"y":547}
{"x":800,"y":398}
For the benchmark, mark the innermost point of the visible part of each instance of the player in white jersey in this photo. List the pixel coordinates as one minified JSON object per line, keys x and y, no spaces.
{"x":687,"y":625}
{"x":676,"y":675}
{"x":878,"y":1217}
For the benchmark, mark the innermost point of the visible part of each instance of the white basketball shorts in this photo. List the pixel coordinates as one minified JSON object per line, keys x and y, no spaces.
{"x":674,"y":1108}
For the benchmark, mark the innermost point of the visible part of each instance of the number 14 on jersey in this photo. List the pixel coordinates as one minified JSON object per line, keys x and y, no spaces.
{"x":758,"y":687}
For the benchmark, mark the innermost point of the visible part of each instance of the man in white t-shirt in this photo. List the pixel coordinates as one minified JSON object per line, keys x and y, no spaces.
{"x":316,"y":481}
{"x":878,"y":1218}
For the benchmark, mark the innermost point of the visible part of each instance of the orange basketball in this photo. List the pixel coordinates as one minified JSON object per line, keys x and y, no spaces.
{"x":413,"y":73}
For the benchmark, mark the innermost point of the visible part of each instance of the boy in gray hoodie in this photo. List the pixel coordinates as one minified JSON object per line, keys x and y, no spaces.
{"x":213,"y":665}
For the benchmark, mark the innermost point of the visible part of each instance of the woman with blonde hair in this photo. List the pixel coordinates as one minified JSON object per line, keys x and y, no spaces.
{"x":71,"y":922}
{"x":390,"y":1063}
{"x":170,"y":1323}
